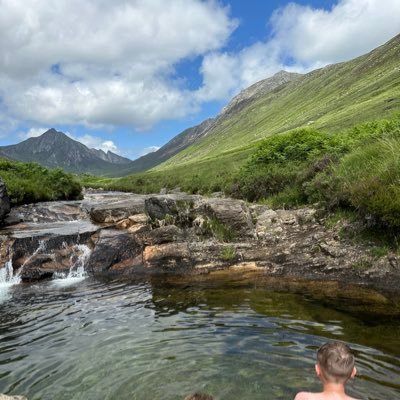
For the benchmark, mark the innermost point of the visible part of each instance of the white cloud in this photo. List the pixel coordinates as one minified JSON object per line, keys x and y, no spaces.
{"x":95,"y":142}
{"x":103,"y":63}
{"x":303,"y":38}
{"x":147,"y":150}
{"x":32,"y":132}
{"x":350,"y":28}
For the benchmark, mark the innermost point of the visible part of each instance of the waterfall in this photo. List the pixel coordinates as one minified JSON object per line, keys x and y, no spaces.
{"x":7,"y":279}
{"x":77,"y":273}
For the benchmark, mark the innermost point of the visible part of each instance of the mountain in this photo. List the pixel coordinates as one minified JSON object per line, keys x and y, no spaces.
{"x":331,"y":99}
{"x":110,"y":157}
{"x":194,"y":134}
{"x":55,"y":149}
{"x":174,"y":146}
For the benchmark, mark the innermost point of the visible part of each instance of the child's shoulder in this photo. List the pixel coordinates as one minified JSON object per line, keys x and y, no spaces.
{"x":315,"y":396}
{"x":308,"y":396}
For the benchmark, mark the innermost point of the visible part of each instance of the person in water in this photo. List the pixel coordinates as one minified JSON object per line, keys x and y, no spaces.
{"x":335,"y":366}
{"x":199,"y":396}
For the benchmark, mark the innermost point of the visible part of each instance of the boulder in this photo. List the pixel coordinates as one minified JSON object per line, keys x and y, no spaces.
{"x":164,"y":234}
{"x":114,"y":249}
{"x":175,"y":208}
{"x":233,"y":214}
{"x":4,"y":201}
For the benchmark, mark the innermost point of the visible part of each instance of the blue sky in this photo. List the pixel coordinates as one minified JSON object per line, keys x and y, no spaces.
{"x":129,"y":75}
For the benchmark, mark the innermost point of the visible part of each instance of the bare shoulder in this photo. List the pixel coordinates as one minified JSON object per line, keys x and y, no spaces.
{"x":307,"y":396}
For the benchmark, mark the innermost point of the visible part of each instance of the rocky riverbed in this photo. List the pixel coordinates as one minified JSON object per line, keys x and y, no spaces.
{"x":190,"y":234}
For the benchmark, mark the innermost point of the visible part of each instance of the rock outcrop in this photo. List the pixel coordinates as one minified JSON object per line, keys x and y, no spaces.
{"x":179,"y":233}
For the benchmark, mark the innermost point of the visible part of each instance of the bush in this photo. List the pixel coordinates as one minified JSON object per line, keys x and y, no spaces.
{"x":30,"y":183}
{"x":369,"y":179}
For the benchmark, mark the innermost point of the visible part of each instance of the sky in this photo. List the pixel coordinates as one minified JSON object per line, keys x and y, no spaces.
{"x":129,"y":75}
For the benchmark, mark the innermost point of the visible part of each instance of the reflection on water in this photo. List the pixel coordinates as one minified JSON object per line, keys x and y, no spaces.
{"x":154,"y":339}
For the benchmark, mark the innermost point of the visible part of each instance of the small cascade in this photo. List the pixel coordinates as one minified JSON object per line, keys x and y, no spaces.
{"x":7,"y":279}
{"x":77,"y":273}
{"x":41,"y":248}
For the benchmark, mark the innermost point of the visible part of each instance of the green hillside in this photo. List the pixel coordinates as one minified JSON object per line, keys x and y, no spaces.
{"x":330,"y":99}
{"x":330,"y":137}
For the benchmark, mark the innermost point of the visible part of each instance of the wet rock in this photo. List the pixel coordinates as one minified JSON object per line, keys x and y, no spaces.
{"x":44,"y":212}
{"x":116,"y":211}
{"x":233,"y":214}
{"x":114,"y":249}
{"x":4,"y":201}
{"x":167,"y":256}
{"x":48,"y":260}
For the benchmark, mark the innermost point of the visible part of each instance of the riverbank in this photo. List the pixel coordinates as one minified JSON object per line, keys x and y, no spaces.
{"x":127,"y":234}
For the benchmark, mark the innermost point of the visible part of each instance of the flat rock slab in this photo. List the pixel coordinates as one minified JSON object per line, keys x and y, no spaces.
{"x":116,"y":211}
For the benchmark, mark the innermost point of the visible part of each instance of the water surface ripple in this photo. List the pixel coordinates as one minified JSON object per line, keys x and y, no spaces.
{"x":155,"y":340}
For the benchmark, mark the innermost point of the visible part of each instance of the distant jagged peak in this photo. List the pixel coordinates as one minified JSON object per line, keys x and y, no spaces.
{"x":52,"y":132}
{"x":259,"y":89}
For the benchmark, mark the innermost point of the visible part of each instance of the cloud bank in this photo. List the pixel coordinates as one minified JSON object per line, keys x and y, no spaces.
{"x":99,"y":63}
{"x":302,"y":39}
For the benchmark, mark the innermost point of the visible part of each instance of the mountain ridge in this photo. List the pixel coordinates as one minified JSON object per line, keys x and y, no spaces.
{"x":330,"y":98}
{"x":55,"y":149}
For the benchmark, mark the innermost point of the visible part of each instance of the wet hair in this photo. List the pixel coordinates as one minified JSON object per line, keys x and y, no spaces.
{"x":336,"y":361}
{"x":199,"y":396}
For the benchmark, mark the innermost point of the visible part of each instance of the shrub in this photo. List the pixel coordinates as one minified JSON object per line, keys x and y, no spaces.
{"x":30,"y":182}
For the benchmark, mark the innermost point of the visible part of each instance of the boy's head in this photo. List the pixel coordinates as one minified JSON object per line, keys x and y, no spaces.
{"x":199,"y":396}
{"x":335,"y":362}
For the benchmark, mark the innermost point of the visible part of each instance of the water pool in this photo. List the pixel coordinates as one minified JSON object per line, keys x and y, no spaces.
{"x":154,"y":338}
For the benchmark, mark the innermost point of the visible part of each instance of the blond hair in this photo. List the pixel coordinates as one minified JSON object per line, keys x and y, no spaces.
{"x":336,"y":361}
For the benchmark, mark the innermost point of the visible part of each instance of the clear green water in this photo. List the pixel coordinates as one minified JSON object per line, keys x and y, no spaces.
{"x":247,"y":338}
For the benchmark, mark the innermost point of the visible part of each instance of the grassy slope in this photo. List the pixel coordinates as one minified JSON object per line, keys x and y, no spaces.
{"x":332,"y":98}
{"x":207,"y":176}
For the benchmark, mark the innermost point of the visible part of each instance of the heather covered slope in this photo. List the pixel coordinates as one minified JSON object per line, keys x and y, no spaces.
{"x":331,"y":98}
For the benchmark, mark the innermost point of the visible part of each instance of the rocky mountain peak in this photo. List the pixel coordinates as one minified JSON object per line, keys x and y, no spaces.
{"x":258,"y":90}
